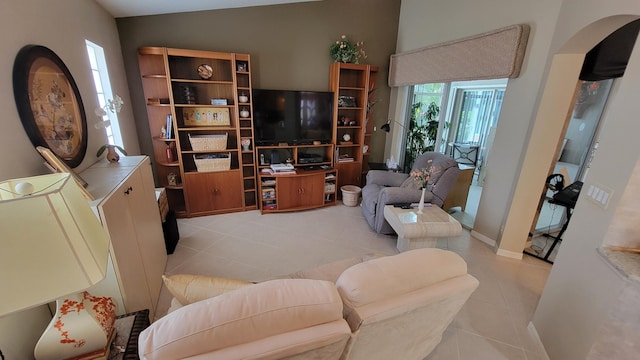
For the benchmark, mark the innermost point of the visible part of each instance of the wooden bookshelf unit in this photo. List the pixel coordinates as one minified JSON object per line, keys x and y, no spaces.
{"x":354,"y":88}
{"x":199,"y":110}
{"x":200,"y":115}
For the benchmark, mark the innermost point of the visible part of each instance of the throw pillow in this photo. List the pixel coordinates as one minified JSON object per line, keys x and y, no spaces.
{"x":410,"y":183}
{"x":187,"y":288}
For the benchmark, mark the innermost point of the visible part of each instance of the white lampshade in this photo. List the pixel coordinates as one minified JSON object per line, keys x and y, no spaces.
{"x":51,"y":242}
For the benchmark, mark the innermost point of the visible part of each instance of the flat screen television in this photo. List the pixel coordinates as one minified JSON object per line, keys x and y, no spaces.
{"x":292,"y":117}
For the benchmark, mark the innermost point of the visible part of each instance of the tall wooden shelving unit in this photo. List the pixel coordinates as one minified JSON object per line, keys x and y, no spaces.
{"x":174,"y":87}
{"x":354,"y":87}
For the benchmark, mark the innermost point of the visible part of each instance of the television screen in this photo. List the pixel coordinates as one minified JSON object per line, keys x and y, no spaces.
{"x":294,"y":117}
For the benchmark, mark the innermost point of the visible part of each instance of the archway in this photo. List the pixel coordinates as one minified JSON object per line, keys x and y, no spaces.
{"x":554,"y":112}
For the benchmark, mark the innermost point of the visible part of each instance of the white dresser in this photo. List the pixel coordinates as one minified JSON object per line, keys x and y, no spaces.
{"x":126,"y":204}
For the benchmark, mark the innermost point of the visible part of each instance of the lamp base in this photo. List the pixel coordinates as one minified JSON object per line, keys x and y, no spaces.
{"x":101,"y":354}
{"x":82,"y":328}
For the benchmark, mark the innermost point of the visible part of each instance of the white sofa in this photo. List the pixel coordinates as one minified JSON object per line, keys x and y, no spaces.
{"x":391,"y":307}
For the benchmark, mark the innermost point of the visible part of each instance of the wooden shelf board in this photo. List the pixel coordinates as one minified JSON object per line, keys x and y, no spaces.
{"x":173,"y":164}
{"x":158,"y":138}
{"x":208,"y":151}
{"x":195,"y":81}
{"x":230,"y":106}
{"x":206,"y":128}
{"x":170,"y":187}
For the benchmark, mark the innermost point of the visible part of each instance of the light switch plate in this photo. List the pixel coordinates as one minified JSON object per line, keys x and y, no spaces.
{"x":599,"y":194}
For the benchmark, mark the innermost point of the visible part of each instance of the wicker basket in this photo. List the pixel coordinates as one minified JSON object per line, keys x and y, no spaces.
{"x":212,"y":162}
{"x":350,"y":195}
{"x":208,"y":142}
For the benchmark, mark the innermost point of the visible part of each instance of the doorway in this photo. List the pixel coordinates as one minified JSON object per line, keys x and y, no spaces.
{"x":579,"y":145}
{"x":603,"y":63}
{"x":473,"y":115}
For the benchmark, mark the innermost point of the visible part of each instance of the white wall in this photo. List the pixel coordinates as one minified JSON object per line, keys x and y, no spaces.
{"x":63,"y":27}
{"x":430,"y":22}
{"x":582,"y":288}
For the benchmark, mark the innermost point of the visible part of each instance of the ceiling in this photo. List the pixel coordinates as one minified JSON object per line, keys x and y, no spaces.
{"x":126,"y":8}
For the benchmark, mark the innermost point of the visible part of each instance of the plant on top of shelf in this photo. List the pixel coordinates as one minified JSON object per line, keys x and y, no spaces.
{"x":345,"y":51}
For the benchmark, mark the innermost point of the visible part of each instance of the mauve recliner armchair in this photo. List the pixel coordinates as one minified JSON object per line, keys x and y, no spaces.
{"x":387,"y":188}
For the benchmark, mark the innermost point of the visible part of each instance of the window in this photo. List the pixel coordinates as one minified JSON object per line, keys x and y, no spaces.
{"x":475,"y":112}
{"x":428,"y":93}
{"x":421,"y":131}
{"x":468,"y":111}
{"x":103,"y":90}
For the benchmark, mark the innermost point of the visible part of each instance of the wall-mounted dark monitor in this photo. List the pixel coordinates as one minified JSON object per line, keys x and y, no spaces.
{"x":292,"y":117}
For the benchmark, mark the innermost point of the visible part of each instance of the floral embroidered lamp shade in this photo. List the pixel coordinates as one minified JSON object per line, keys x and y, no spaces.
{"x":52,"y":247}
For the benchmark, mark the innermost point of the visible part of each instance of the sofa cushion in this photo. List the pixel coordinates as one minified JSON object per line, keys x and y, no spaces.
{"x":396,"y":275}
{"x":246,"y":315}
{"x":187,"y":288}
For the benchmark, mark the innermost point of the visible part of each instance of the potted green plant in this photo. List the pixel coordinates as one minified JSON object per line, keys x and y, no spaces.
{"x":423,"y":129}
{"x":345,"y":51}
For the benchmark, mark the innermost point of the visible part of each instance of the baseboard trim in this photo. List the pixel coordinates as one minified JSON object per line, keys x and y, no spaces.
{"x":534,"y":334}
{"x":492,"y":243}
{"x":509,"y":254}
{"x":483,"y":238}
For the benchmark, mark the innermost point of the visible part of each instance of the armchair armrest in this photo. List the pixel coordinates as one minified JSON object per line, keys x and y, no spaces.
{"x":385,"y":178}
{"x":396,"y":195}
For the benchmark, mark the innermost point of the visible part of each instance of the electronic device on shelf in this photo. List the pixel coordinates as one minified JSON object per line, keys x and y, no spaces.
{"x":309,"y":159}
{"x":293,"y":117}
{"x":282,"y":167}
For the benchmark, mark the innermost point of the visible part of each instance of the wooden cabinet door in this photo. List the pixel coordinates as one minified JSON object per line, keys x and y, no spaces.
{"x":226,"y":189}
{"x":197,"y":193}
{"x":313,"y":190}
{"x":288,"y":192}
{"x":350,"y":174}
{"x":207,"y":192}
{"x":302,"y":191}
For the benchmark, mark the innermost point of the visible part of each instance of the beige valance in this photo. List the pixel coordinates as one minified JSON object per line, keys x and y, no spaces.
{"x":492,"y":55}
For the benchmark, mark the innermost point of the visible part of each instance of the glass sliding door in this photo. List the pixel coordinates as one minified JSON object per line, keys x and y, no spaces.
{"x":476,"y":112}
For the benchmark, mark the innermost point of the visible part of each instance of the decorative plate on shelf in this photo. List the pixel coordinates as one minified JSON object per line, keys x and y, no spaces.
{"x":205,"y":71}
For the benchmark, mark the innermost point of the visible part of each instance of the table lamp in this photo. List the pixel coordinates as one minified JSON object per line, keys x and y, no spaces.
{"x":52,"y":247}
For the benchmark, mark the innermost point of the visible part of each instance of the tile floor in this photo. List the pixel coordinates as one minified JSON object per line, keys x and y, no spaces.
{"x":492,"y":325}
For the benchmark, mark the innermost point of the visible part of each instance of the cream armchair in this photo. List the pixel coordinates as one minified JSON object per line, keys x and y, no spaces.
{"x":396,"y":307}
{"x":399,"y":306}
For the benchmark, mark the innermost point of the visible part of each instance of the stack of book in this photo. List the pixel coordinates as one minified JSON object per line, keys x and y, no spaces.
{"x":345,"y":159}
{"x":282,"y":169}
